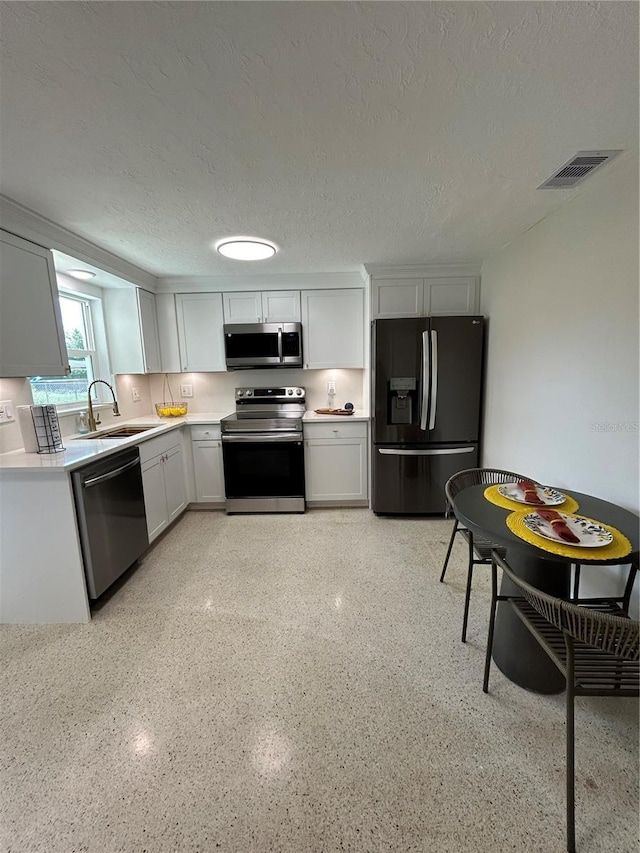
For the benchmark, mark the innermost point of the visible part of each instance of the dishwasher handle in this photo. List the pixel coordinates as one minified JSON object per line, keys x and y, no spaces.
{"x":87,"y":484}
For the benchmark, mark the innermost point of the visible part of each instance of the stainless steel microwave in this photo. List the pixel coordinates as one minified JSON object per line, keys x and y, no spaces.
{"x":249,"y":345}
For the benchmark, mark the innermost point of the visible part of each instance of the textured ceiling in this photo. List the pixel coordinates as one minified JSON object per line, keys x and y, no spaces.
{"x":345,"y":132}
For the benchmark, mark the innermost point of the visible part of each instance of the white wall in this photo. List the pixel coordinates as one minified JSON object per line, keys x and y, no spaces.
{"x":561,"y":401}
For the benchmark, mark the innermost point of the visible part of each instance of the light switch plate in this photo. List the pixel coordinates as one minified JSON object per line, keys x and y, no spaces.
{"x":186,"y":390}
{"x":6,"y":412}
{"x":135,"y":394}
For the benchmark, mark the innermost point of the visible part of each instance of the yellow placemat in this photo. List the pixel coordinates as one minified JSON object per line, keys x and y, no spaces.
{"x":620,"y":546}
{"x":492,"y":494}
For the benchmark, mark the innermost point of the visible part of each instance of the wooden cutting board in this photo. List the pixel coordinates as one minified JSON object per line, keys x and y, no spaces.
{"x":334,"y":411}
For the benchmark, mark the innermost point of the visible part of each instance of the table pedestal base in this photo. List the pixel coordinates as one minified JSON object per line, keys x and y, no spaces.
{"x":516,"y":653}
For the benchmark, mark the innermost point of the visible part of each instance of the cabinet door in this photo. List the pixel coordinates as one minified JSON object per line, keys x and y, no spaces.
{"x":174,"y":483}
{"x":242,"y":307}
{"x":155,"y":499}
{"x":451,"y":295}
{"x":31,"y":336}
{"x":122,"y":320}
{"x":281,"y":306}
{"x":149,"y":331}
{"x":207,"y":466}
{"x":336,"y":469}
{"x":200,"y":322}
{"x":168,"y":333}
{"x":333,"y":328}
{"x":403,"y":297}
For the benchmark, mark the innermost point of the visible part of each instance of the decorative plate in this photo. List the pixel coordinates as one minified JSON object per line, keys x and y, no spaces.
{"x":590,"y":534}
{"x":548,"y":496}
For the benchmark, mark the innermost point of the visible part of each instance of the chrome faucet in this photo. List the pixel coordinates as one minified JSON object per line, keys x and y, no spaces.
{"x":93,"y":423}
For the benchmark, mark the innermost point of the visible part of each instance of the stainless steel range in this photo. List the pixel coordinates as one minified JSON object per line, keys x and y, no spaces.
{"x":263,"y":451}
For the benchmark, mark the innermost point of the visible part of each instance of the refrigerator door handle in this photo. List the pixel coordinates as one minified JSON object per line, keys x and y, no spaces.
{"x":424,"y":380}
{"x":434,"y":378}
{"x":447,"y":451}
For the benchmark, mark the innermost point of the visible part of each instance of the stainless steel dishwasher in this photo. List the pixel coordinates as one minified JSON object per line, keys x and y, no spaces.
{"x":111,"y":517}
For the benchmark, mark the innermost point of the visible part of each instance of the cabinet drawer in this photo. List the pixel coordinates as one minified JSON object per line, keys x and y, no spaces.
{"x":335,"y":429}
{"x":206,"y":432}
{"x":159,"y":444}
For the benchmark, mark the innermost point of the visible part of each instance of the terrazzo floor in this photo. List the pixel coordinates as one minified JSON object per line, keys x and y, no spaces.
{"x":296,"y":684}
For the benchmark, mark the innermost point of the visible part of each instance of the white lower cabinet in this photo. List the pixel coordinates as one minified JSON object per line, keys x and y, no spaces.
{"x":162,"y":481}
{"x":335,"y":460}
{"x":207,"y":464}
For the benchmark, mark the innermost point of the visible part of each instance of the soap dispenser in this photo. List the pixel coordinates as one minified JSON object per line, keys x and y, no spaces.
{"x":82,"y":422}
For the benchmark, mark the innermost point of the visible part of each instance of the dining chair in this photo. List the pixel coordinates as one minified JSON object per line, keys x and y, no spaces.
{"x":479,"y":546}
{"x":596,"y":651}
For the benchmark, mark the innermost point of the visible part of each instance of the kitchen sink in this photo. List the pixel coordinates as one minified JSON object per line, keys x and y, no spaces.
{"x":121,"y":432}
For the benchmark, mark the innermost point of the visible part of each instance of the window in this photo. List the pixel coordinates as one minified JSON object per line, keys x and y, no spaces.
{"x":71,"y":391}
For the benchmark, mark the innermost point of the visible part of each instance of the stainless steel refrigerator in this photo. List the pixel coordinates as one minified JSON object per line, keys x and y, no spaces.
{"x":426,"y":385}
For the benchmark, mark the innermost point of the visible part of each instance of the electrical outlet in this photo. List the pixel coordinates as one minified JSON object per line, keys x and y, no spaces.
{"x":6,"y":412}
{"x":331,"y":386}
{"x":186,"y":390}
{"x":135,"y":394}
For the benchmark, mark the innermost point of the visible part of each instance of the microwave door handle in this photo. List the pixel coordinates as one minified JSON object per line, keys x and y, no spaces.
{"x":280,"y":343}
{"x":425,"y":370}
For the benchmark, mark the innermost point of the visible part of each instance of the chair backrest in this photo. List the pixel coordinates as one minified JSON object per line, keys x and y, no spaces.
{"x":477,"y":477}
{"x":616,"y":635}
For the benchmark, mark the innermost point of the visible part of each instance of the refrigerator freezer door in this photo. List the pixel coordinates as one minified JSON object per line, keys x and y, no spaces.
{"x":397,"y":369}
{"x":456,"y":381}
{"x":410,"y":479}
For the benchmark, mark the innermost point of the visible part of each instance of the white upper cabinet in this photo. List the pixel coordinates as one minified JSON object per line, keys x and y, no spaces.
{"x":132,"y":329}
{"x":200,"y":335}
{"x":424,"y":296}
{"x":333,"y":328}
{"x":168,"y":333}
{"x":281,"y":306}
{"x":397,"y":298}
{"x":31,"y":335}
{"x":269,"y":306}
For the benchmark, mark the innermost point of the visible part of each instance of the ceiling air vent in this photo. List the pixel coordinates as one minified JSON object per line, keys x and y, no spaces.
{"x":577,"y":169}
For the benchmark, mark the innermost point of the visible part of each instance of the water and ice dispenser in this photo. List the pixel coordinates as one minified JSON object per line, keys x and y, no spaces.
{"x":402,"y":400}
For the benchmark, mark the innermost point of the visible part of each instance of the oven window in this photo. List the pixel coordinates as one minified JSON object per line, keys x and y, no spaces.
{"x":263,"y":469}
{"x":259,"y":345}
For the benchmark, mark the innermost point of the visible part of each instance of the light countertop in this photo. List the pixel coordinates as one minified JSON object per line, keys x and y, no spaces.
{"x":80,"y":451}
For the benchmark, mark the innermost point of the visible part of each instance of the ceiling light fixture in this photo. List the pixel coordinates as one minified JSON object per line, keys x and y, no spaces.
{"x":83,"y":275}
{"x":246,"y":249}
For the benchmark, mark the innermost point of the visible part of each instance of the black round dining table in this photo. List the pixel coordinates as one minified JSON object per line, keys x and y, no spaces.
{"x":516,"y":653}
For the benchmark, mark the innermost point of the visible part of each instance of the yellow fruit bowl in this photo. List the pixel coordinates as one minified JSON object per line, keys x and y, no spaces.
{"x":171,"y":410}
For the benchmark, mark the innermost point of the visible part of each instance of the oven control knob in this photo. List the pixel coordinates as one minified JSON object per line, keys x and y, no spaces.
{"x":249,"y":393}
{"x":289,"y":391}
{"x":240,"y":393}
{"x":299,"y":392}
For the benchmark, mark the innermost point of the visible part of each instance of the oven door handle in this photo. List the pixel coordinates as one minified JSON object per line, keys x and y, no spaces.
{"x":262,"y":437}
